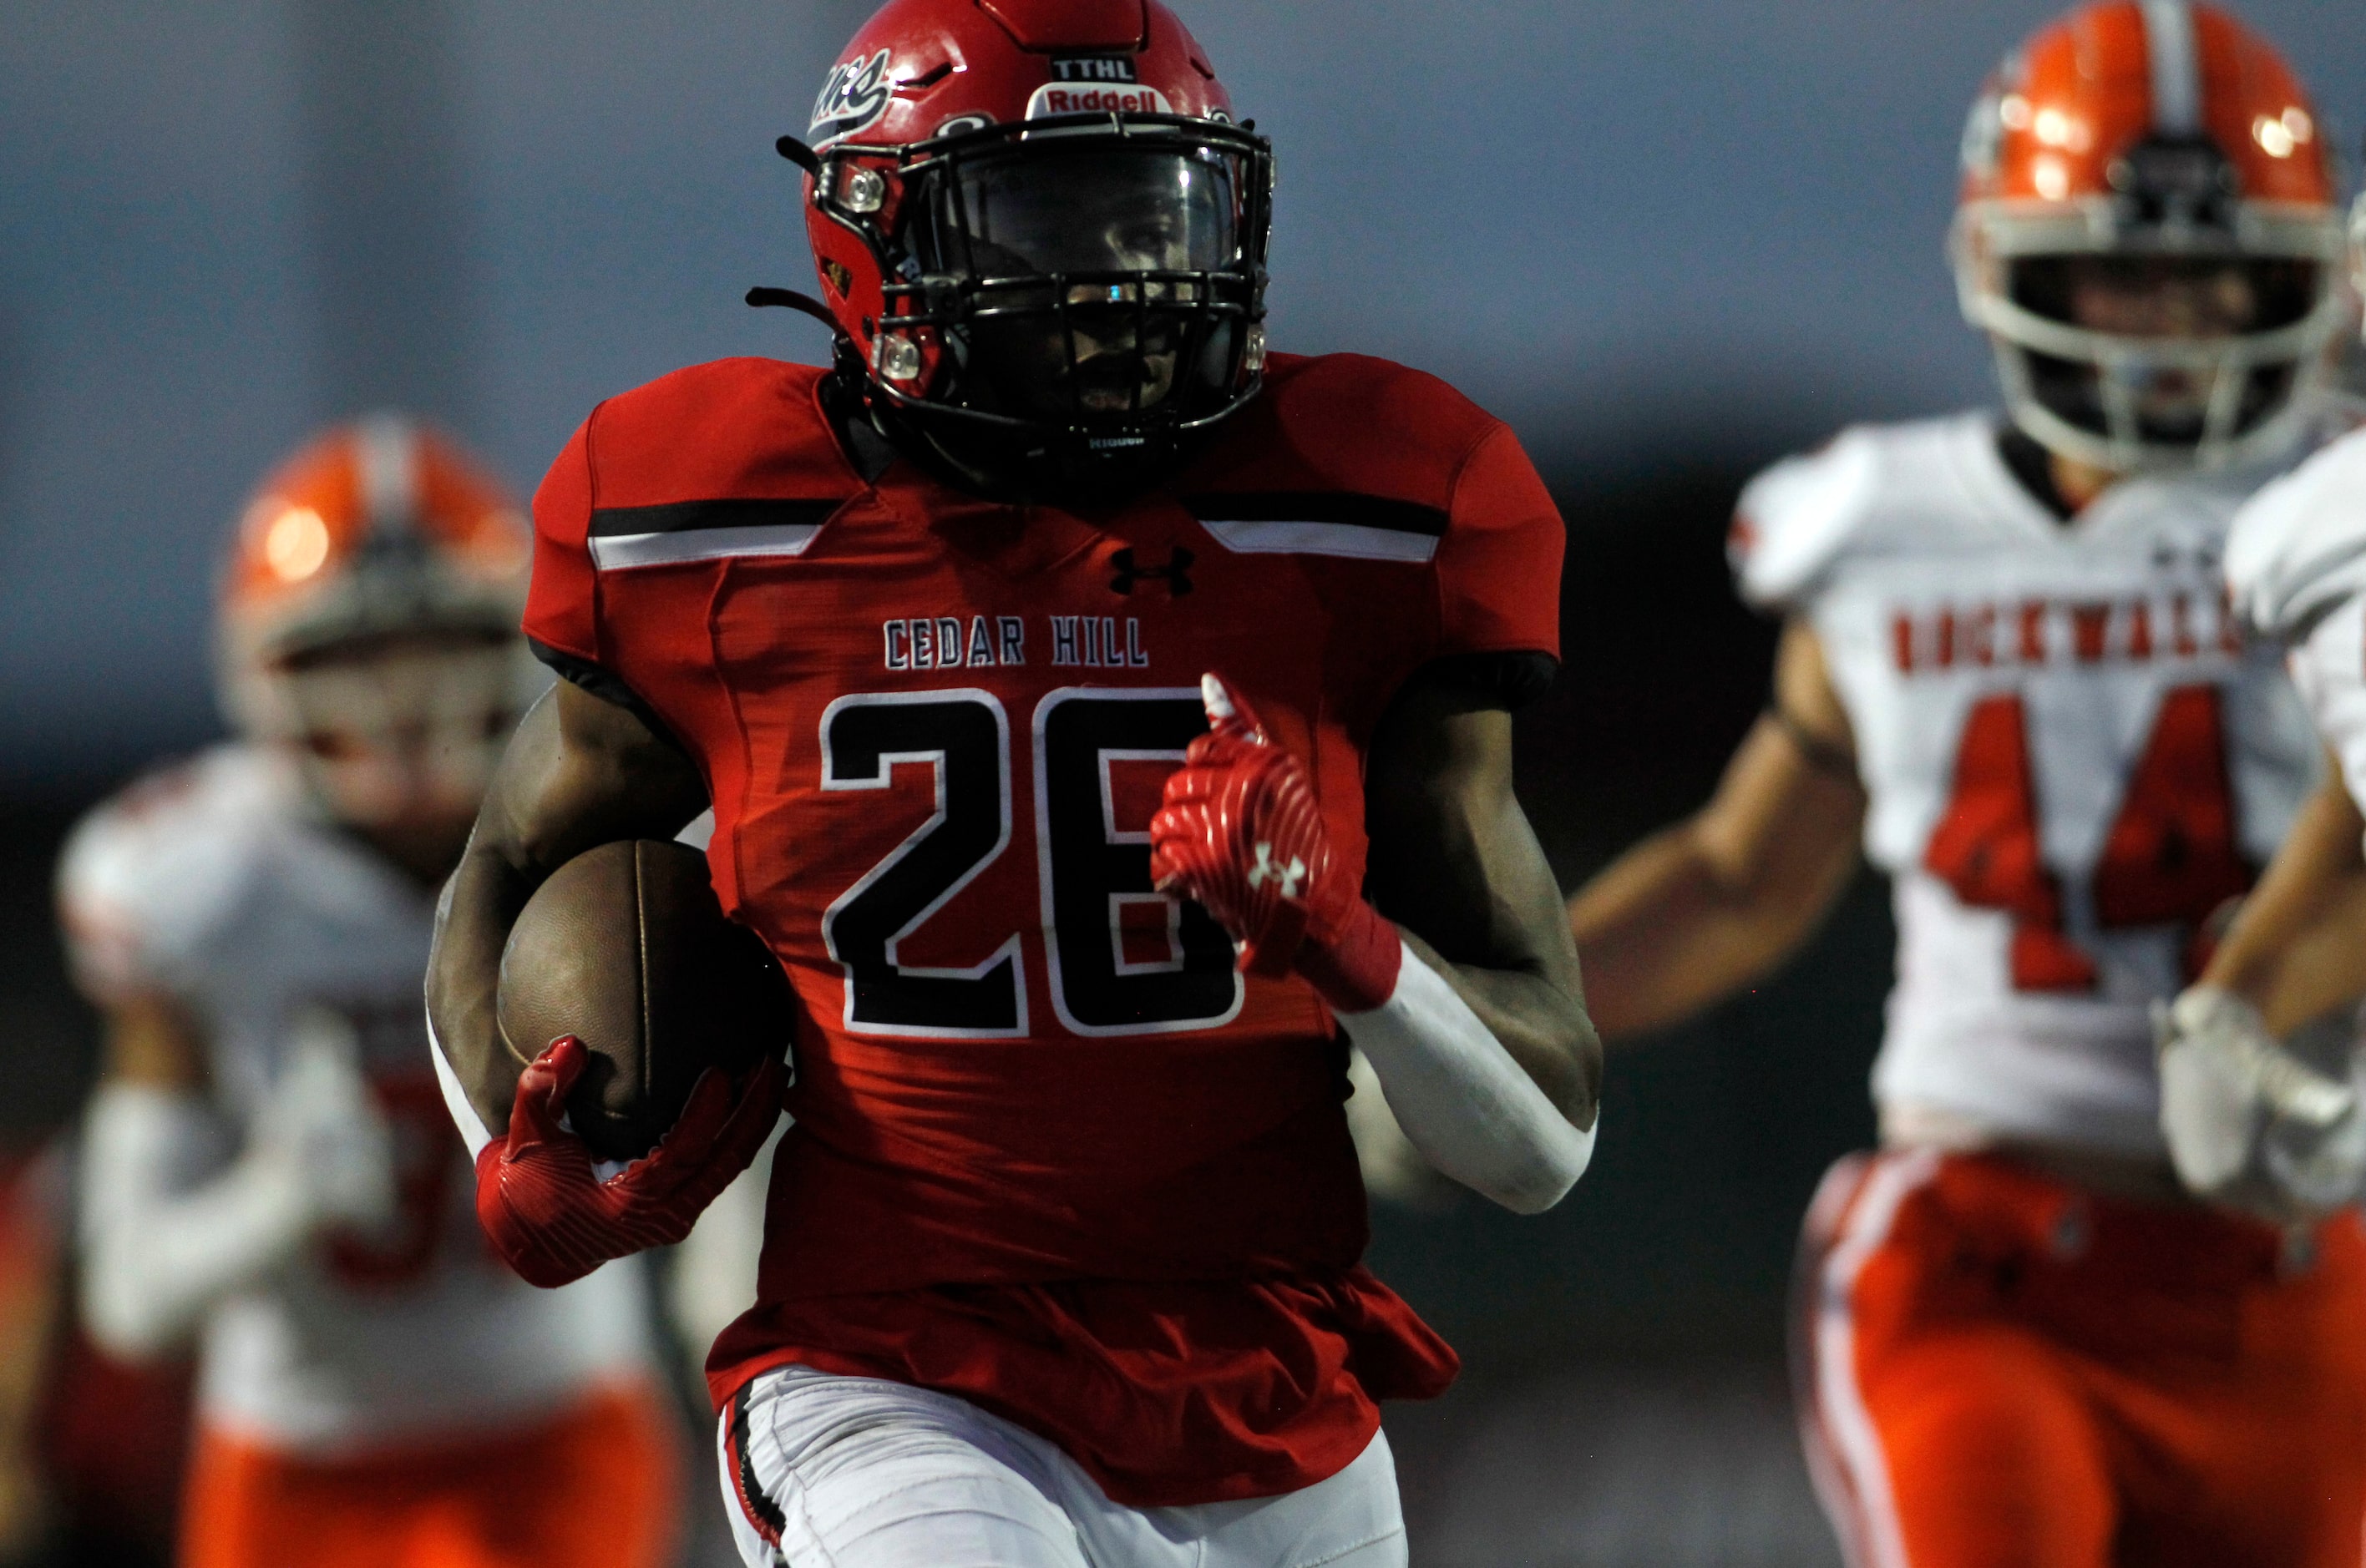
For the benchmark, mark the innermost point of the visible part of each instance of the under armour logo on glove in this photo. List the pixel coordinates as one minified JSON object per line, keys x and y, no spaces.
{"x":1176,"y":574}
{"x":1241,"y":833}
{"x":1292,"y":876}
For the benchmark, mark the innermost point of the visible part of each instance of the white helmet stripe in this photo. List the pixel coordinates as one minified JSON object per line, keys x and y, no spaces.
{"x":2176,"y":67}
{"x":388,"y":447}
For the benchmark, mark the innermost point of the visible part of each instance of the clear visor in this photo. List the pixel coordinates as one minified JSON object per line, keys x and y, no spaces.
{"x":1101,"y":278}
{"x":2145,"y":296}
{"x":1042,"y":211}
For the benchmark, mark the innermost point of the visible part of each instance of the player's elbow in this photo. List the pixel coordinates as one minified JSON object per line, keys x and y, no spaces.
{"x":1546,"y":1029}
{"x":1536,"y":1184}
{"x":1563,"y":1058}
{"x":1536,"y":1201}
{"x":1577,"y":1096}
{"x":1532,"y":1173}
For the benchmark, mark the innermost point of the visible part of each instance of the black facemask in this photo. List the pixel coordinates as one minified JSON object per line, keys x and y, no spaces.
{"x":1098,"y":292}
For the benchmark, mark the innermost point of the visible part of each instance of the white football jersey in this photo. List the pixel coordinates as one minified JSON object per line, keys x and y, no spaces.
{"x":2297,"y":565}
{"x":217,"y":884}
{"x":2072,"y":757}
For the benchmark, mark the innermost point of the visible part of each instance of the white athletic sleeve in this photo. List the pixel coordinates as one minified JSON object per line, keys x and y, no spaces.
{"x":473,"y":1131}
{"x":1394,"y":1172}
{"x":1460,"y":1098}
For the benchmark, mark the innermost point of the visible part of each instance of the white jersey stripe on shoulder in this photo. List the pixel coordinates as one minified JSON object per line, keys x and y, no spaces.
{"x":2176,"y":67}
{"x":622,"y":551}
{"x":386,"y":449}
{"x":1855,"y":1440}
{"x":1347,"y":539}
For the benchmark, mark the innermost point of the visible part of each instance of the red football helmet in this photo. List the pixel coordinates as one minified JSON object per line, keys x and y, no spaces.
{"x":1040,"y":228}
{"x":369,"y":622}
{"x":2156,"y":145}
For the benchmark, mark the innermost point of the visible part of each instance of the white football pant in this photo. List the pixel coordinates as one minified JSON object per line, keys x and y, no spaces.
{"x":857,"y":1473}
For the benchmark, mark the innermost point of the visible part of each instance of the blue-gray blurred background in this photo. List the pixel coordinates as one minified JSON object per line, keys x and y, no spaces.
{"x":1666,"y":240}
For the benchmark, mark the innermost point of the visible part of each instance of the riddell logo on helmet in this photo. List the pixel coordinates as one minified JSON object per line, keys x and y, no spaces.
{"x":1063,"y":98}
{"x":854,"y":98}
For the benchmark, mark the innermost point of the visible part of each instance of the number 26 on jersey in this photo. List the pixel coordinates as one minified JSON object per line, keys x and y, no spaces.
{"x":1124,"y":958}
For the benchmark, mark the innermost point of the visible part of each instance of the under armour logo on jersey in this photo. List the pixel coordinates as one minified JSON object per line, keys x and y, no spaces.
{"x":1176,"y":574}
{"x":1292,"y":877}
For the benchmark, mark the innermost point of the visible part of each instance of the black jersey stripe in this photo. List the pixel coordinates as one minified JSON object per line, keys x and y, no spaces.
{"x":700,"y":517}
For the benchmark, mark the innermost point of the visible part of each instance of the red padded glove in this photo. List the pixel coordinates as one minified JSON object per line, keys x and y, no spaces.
{"x":550,"y":1217}
{"x":1241,"y":833}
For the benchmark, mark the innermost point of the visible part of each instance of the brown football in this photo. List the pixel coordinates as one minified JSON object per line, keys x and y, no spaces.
{"x":626,"y":949}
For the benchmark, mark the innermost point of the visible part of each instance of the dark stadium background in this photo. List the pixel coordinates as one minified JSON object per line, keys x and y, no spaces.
{"x":1667,"y":240}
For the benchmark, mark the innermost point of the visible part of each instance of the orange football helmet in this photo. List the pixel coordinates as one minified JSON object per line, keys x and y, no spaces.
{"x":369,"y":620}
{"x":2170,"y":138}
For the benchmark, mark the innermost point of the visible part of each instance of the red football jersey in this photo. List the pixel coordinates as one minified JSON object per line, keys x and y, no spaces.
{"x":1042,"y":1123}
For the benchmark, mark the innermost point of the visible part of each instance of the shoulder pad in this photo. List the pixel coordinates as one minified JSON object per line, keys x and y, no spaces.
{"x":726,"y":429}
{"x":1871,"y":485}
{"x":1794,"y":520}
{"x":2298,"y":548}
{"x":147,"y":878}
{"x":1348,"y":423}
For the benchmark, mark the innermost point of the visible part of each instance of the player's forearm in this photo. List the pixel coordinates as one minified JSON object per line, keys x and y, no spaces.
{"x":1666,"y":932}
{"x":1485,"y":1050}
{"x":2293,"y":951}
{"x":163,"y":1240}
{"x":1456,"y":866}
{"x":2323,"y":968}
